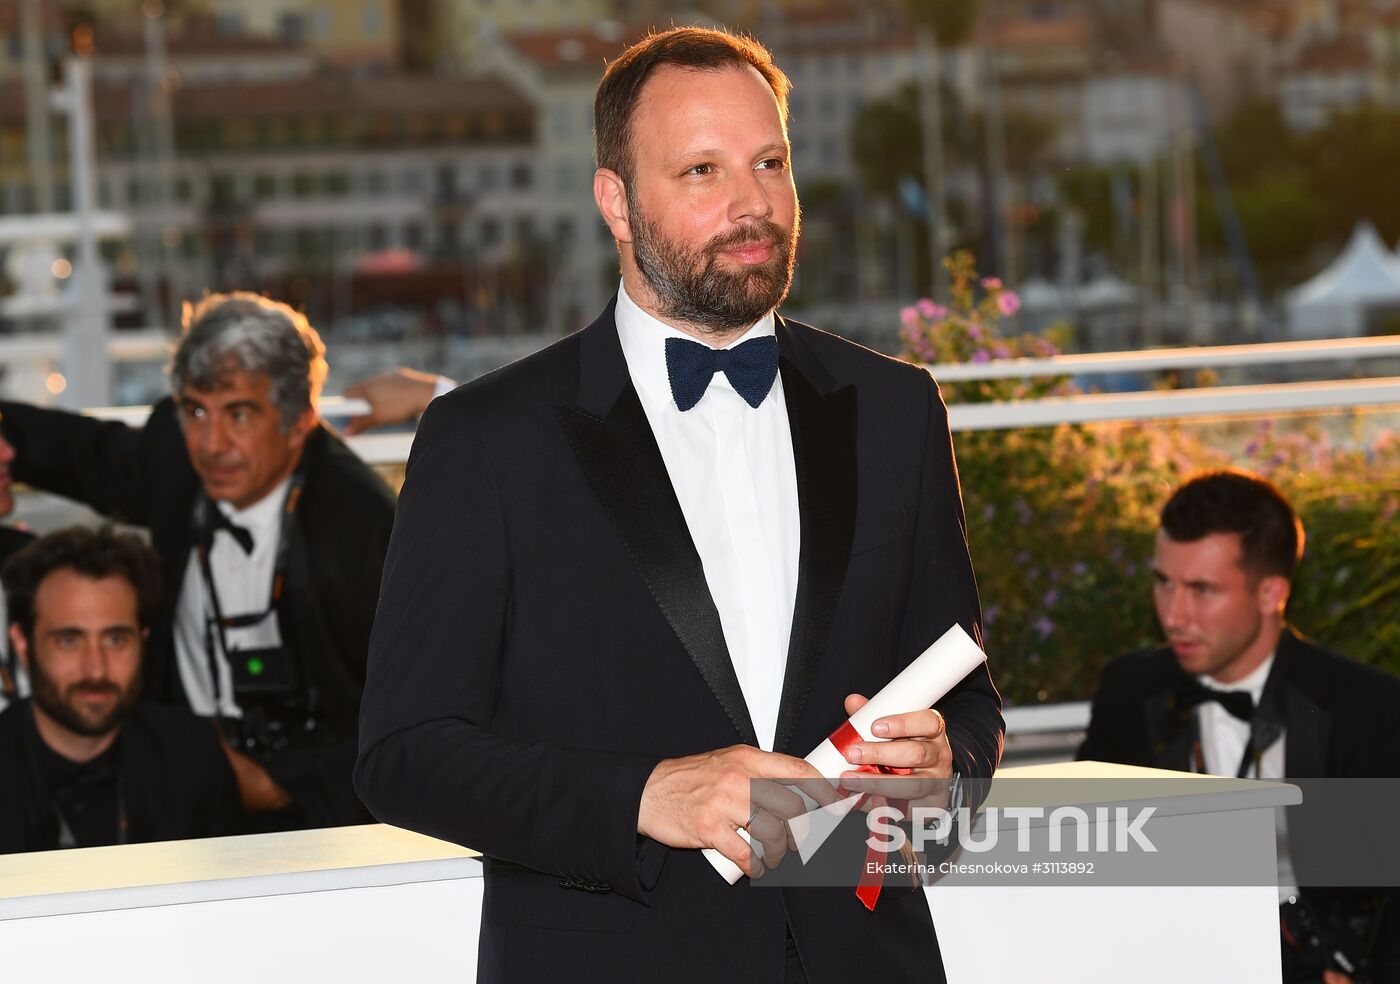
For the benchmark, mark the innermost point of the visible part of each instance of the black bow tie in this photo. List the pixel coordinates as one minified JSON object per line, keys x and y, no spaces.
{"x":218,"y":520}
{"x":751,"y":368}
{"x":1237,"y":702}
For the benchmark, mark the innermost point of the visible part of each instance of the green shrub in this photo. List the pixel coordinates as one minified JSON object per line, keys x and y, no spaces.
{"x":1061,"y":520}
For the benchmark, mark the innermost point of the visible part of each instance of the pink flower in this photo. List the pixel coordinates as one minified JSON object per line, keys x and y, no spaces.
{"x":908,"y":317}
{"x":974,"y":331}
{"x":991,"y":283}
{"x":927,"y":308}
{"x":1008,"y":303}
{"x":981,"y":355}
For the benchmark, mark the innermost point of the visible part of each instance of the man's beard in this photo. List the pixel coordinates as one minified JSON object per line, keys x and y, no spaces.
{"x":63,"y":709}
{"x":690,"y":285}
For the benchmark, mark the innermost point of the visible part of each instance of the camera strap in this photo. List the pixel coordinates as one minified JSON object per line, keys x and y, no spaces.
{"x":204,"y":538}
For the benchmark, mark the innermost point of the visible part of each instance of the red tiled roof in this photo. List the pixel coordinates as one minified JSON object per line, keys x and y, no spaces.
{"x":322,"y":95}
{"x":565,"y":48}
{"x":1036,"y":32}
{"x":1333,"y":57}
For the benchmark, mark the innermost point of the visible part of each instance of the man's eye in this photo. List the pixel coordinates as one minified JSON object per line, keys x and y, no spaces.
{"x":701,"y":169}
{"x":67,"y":639}
{"x":773,"y":164}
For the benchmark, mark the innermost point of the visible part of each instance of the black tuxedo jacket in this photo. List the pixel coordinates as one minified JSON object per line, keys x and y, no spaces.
{"x":343,"y":519}
{"x":11,"y":542}
{"x":1338,"y":715}
{"x":545,"y":636}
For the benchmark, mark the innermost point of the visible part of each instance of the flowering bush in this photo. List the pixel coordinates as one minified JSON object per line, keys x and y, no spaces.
{"x":1061,"y":519}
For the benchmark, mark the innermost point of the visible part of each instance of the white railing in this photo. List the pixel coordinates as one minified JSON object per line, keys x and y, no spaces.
{"x":1195,"y":357}
{"x":392,"y":448}
{"x":1052,"y":732}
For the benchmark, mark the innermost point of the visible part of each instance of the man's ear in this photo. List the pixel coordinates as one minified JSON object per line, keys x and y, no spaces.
{"x":610,"y":193}
{"x":20,"y":645}
{"x":301,"y":427}
{"x":1272,"y":594}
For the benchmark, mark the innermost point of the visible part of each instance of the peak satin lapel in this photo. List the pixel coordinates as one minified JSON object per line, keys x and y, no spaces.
{"x":620,"y":458}
{"x":824,"y":452}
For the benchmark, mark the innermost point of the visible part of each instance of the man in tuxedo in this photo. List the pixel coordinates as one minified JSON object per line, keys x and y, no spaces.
{"x":1238,"y":691}
{"x":664,"y":557}
{"x":271,"y":535}
{"x":13,"y":683}
{"x":81,"y":763}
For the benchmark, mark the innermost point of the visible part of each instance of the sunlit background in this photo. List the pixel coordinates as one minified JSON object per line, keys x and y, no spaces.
{"x":1101,"y":176}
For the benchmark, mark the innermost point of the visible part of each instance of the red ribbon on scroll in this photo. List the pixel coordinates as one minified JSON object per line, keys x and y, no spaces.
{"x":872,"y":877}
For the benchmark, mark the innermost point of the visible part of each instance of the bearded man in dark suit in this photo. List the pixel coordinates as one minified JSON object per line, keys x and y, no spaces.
{"x":664,"y":557}
{"x":271,"y":535}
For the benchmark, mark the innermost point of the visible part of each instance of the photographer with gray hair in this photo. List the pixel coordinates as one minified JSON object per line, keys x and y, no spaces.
{"x":271,"y":535}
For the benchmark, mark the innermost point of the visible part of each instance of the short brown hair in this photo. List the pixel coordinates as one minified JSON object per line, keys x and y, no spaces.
{"x":1236,"y":501}
{"x":686,"y":47}
{"x":95,"y":554}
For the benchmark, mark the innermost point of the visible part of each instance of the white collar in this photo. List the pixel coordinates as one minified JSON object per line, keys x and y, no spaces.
{"x":1252,"y":683}
{"x":643,"y":339}
{"x":263,"y":517}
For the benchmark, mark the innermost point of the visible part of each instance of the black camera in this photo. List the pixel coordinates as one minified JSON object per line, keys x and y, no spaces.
{"x":1330,"y":932}
{"x":276,"y":708}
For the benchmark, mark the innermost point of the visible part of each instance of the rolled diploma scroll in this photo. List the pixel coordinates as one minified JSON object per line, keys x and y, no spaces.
{"x":920,"y":685}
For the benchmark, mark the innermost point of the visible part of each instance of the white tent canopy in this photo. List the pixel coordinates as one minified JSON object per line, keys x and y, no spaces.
{"x":1336,"y":302}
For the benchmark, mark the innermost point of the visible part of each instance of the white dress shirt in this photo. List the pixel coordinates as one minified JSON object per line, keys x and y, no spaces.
{"x":244,"y":585}
{"x":1223,"y":739}
{"x":732,"y":469}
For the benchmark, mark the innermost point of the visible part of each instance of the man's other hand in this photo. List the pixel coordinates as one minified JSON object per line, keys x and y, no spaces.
{"x":918,"y":741}
{"x":393,"y":397}
{"x":704,"y":800}
{"x":259,"y":792}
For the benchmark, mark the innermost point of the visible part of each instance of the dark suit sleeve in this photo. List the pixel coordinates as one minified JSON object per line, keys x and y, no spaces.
{"x":219,"y":812}
{"x":429,"y":759}
{"x":1102,"y":743}
{"x":944,"y":591}
{"x":91,"y":461}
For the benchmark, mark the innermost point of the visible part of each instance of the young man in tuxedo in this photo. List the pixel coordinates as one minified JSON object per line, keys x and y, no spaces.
{"x":82,"y":764}
{"x":666,"y":556}
{"x":271,"y":534}
{"x":1237,"y":691}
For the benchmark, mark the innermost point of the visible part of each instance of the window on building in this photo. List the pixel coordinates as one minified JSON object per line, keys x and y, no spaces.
{"x":375,"y":182}
{"x":264,"y":186}
{"x":490,"y":232}
{"x":520,"y":176}
{"x":303,"y":186}
{"x":372,"y":20}
{"x":292,"y":27}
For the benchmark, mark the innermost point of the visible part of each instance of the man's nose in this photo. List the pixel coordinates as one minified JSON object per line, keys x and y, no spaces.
{"x":213,"y":437}
{"x":750,"y":199}
{"x":1175,"y":608}
{"x":93,"y":662}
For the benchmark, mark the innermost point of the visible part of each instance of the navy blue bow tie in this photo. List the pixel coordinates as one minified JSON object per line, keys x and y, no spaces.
{"x":751,"y":368}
